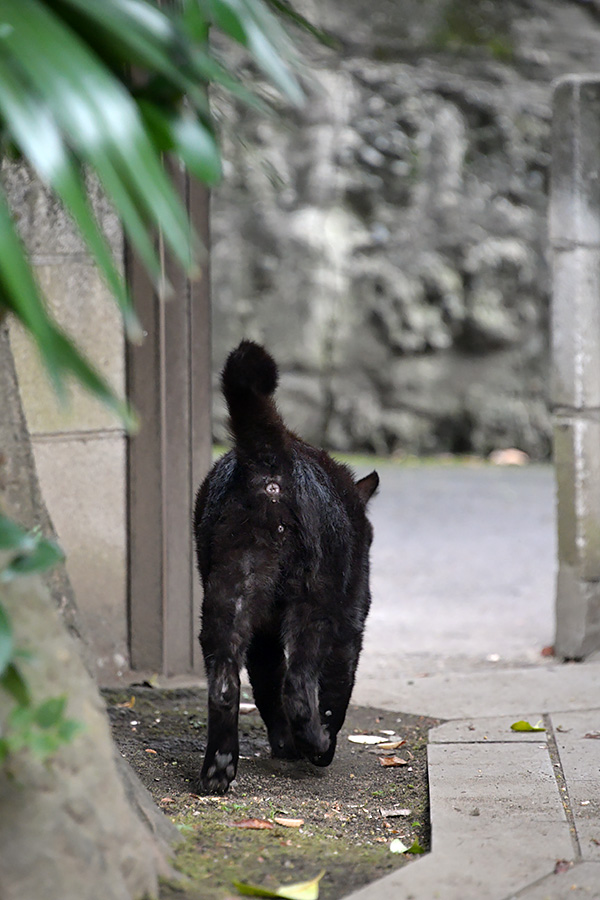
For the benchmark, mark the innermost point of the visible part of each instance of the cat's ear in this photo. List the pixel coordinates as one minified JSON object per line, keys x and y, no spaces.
{"x":367,"y":486}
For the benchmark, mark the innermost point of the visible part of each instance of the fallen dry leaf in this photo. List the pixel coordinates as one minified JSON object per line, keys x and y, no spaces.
{"x":562,"y":865}
{"x":129,"y":704}
{"x":398,"y":846}
{"x":247,"y":708}
{"x":366,"y":739}
{"x":150,"y":750}
{"x":392,"y":761}
{"x":167,"y":800}
{"x":390,"y":745}
{"x":252,"y":823}
{"x":288,"y":823}
{"x":303,"y":890}
{"x":390,"y":813}
{"x":595,"y":735}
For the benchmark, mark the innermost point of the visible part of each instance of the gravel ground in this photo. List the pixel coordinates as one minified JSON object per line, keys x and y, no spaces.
{"x":350,"y":812}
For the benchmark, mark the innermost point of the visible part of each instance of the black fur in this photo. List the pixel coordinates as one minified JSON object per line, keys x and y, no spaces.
{"x":283,"y":550}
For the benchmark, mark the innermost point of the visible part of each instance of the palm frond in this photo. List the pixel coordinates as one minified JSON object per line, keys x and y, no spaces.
{"x":69,"y":103}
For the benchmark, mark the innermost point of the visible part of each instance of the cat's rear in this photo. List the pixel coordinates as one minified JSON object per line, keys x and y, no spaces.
{"x":282,"y":541}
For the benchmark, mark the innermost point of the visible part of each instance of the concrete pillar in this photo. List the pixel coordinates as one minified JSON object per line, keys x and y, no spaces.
{"x":169,"y":383}
{"x":575,"y":243}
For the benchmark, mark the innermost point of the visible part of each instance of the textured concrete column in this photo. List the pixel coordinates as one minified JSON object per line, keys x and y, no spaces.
{"x":575,"y":240}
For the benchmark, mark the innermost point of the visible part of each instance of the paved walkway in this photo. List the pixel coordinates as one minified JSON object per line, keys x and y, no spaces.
{"x":514,"y":815}
{"x":506,"y":807}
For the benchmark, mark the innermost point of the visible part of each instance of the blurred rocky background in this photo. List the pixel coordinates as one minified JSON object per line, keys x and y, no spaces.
{"x":388,"y":242}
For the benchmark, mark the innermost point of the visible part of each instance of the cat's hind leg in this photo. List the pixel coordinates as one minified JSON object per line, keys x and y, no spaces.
{"x":266,"y":665}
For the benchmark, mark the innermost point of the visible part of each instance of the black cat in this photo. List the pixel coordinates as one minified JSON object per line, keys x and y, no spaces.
{"x":283,"y":550}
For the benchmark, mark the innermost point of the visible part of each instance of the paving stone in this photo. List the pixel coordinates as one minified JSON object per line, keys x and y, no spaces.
{"x":581,"y":882}
{"x":492,"y":730}
{"x":475,"y":787}
{"x":580,"y":760}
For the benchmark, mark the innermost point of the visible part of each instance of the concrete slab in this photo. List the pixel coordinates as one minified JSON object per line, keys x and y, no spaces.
{"x":490,"y":730}
{"x":580,"y":760}
{"x":476,"y":788}
{"x":581,"y":882}
{"x":521,"y":693}
{"x":498,"y":825}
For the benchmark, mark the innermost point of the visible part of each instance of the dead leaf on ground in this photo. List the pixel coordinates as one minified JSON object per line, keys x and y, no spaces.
{"x":366,"y":739}
{"x":390,"y":813}
{"x":562,"y":865}
{"x":594,"y":735}
{"x":247,"y":708}
{"x":150,"y":750}
{"x":389,"y":745}
{"x":397,"y":846}
{"x":252,"y":823}
{"x":390,"y":761}
{"x":128,"y":704}
{"x":288,"y":823}
{"x":302,"y":890}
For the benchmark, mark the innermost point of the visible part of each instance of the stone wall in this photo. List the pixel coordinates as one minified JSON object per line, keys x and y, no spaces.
{"x":388,"y":242}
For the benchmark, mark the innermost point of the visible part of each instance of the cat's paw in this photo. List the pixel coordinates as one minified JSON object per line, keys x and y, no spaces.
{"x":282,"y":743}
{"x":313,"y":742}
{"x":324,"y":759}
{"x":217,"y":773}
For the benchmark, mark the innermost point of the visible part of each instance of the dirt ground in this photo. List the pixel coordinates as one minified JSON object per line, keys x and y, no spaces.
{"x":350,"y":811}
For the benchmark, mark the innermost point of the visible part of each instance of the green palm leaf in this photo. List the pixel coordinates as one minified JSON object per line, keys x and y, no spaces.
{"x":19,"y":293}
{"x":35,"y":132}
{"x":68,"y":103}
{"x":97,"y":114}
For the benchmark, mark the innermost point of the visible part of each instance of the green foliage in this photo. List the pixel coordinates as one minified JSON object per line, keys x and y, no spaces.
{"x":109,"y":87}
{"x":29,"y":553}
{"x":42,"y":728}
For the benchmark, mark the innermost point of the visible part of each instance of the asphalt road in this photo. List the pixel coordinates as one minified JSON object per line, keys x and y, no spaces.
{"x":463,"y":568}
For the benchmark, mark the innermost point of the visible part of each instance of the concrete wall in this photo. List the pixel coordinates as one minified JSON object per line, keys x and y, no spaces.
{"x":79,"y":449}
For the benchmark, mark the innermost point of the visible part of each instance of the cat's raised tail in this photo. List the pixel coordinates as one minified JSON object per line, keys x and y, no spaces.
{"x":249,"y":381}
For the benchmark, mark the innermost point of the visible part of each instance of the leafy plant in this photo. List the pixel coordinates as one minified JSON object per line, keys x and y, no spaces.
{"x":108,"y":88}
